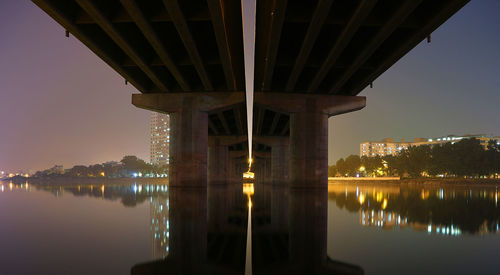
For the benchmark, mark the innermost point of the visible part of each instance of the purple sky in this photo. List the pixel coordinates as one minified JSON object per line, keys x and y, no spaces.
{"x":60,"y":104}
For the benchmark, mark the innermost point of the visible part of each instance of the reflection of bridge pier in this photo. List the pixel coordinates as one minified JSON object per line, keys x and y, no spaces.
{"x":187,"y":232}
{"x":308,"y":229}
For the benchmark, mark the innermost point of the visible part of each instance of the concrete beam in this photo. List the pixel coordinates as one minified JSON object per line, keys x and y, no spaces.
{"x":270,"y":141}
{"x":330,"y":105}
{"x":218,"y":162}
{"x":173,"y":102}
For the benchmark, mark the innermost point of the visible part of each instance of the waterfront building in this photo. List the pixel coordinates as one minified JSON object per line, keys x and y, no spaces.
{"x":160,"y":138}
{"x":388,"y":146}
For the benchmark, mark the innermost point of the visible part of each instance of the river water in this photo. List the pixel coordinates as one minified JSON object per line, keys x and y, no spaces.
{"x":384,"y":229}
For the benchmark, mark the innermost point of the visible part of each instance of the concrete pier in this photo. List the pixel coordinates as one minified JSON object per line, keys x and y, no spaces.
{"x":309,"y":131}
{"x":280,"y":158}
{"x":218,"y":162}
{"x":189,"y":114}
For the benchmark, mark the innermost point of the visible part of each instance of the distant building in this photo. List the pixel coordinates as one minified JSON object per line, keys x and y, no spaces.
{"x":160,"y":138}
{"x":389,"y":147}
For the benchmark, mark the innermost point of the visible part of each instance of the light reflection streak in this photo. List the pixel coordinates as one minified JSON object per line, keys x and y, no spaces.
{"x":390,"y":207}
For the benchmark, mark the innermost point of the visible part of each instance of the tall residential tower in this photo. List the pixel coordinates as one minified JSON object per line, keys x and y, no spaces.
{"x":160,"y":138}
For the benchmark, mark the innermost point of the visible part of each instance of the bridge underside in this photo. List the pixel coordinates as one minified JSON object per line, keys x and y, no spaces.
{"x":317,"y":47}
{"x":311,"y":60}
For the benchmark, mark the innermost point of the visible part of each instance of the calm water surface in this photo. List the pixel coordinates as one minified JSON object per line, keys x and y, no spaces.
{"x":392,"y":229}
{"x":80,"y":229}
{"x":385,"y":229}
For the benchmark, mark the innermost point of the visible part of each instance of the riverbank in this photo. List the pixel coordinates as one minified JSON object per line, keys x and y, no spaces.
{"x":418,"y":181}
{"x":87,"y":181}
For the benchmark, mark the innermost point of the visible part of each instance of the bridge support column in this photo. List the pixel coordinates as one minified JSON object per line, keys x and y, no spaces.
{"x":189,"y":113}
{"x":309,"y":131}
{"x":309,"y":146}
{"x":278,"y":170}
{"x":218,"y":162}
{"x":280,"y":162}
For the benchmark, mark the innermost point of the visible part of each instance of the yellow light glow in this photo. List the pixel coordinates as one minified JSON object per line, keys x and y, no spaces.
{"x":103,"y":174}
{"x":102,"y":188}
{"x":361,"y":198}
{"x":11,"y":185}
{"x":424,"y":194}
{"x":362,"y":168}
{"x":249,"y":202}
{"x":384,"y":204}
{"x":379,"y":196}
{"x":248,"y":175}
{"x":248,"y":189}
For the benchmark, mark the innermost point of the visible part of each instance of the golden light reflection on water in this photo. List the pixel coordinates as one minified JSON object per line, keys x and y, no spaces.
{"x":436,"y":209}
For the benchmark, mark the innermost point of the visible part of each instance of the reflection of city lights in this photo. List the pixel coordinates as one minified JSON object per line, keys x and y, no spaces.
{"x":139,"y":188}
{"x":384,"y":204}
{"x":2,"y":188}
{"x":248,"y":189}
{"x":11,"y":185}
{"x":424,"y":194}
{"x":361,"y":198}
{"x":102,"y":189}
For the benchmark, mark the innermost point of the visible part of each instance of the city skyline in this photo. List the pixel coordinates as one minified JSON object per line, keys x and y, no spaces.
{"x":46,"y":119}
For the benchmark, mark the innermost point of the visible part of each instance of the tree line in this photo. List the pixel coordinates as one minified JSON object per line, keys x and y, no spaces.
{"x":129,"y":166}
{"x":465,"y":158}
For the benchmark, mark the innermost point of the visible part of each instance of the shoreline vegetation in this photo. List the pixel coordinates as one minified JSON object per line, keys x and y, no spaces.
{"x":465,"y":160}
{"x":130,"y":167}
{"x":415,"y":181}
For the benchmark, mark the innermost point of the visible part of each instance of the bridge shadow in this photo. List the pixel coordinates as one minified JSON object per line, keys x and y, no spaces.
{"x":207,"y":232}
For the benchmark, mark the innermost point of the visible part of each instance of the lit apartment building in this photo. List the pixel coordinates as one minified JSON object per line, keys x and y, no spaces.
{"x":388,"y":146}
{"x":385,"y":147}
{"x":160,"y":138}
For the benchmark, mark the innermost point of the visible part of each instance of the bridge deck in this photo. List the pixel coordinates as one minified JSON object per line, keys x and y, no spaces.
{"x":314,"y":46}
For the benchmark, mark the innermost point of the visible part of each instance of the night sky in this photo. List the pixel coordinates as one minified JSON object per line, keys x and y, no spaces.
{"x":60,"y":104}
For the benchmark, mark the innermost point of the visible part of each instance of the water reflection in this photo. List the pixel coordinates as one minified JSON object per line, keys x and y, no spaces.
{"x":289,"y":238}
{"x":160,"y":225}
{"x":449,"y":210}
{"x":204,"y":231}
